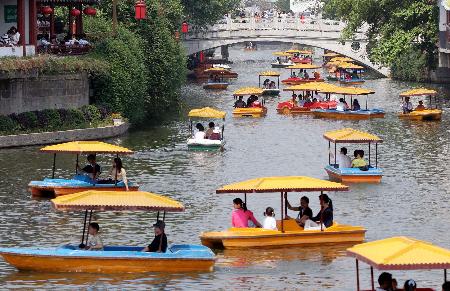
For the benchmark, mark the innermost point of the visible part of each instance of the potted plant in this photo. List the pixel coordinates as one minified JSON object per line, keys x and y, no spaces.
{"x":117,"y":118}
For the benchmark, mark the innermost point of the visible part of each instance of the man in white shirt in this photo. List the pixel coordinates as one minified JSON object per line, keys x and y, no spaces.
{"x":342,"y":159}
{"x":407,"y":106}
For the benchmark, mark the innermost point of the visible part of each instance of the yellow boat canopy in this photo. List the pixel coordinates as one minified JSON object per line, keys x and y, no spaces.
{"x":401,"y":253}
{"x":313,"y":86}
{"x":282,"y":54}
{"x":350,"y":135}
{"x":282,"y":184}
{"x":346,"y":65}
{"x":419,"y":92}
{"x":270,"y":74}
{"x":341,"y":59}
{"x":216,"y":70}
{"x":331,"y":55}
{"x":248,"y":91}
{"x":303,"y":66}
{"x":116,"y":201}
{"x":207,"y":112}
{"x":347,"y":90}
{"x":86,"y":147}
{"x":302,"y":52}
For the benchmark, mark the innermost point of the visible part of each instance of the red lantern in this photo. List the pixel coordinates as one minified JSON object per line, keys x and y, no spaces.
{"x":202,"y":56}
{"x":46,"y":10}
{"x":184,"y":27}
{"x":75,"y":12}
{"x":140,"y":10}
{"x":90,"y":11}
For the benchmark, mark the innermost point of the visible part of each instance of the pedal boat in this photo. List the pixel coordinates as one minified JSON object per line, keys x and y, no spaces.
{"x":399,"y":254}
{"x":361,"y":114}
{"x":293,"y":80}
{"x":429,"y":114}
{"x":352,"y":175}
{"x":268,"y":75}
{"x":288,"y":233}
{"x":301,"y":56}
{"x":286,"y":62}
{"x":305,"y":107}
{"x":113,"y":259}
{"x":350,"y":74}
{"x":216,"y":80}
{"x":206,"y":144}
{"x":256,"y":112}
{"x":54,"y":187}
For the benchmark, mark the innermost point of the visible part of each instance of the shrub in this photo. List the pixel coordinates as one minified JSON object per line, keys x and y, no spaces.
{"x":27,"y":120}
{"x":49,"y":119}
{"x":105,"y":110}
{"x":8,"y":125}
{"x":91,"y":113}
{"x":75,"y":118}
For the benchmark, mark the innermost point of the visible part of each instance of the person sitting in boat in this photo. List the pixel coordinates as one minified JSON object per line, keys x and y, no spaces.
{"x":410,"y":285}
{"x":269,"y":220}
{"x":293,"y":75}
{"x":420,"y":107}
{"x":211,"y":79}
{"x":293,"y":101}
{"x":304,"y":212}
{"x":210,"y":130}
{"x":279,"y":60}
{"x":306,"y":76}
{"x":358,"y":161}
{"x":354,"y":75}
{"x":325,"y":215}
{"x":385,"y":282}
{"x":256,"y":103}
{"x":272,"y":85}
{"x":159,"y":243}
{"x":94,"y":242}
{"x":314,"y":100}
{"x":342,"y":105}
{"x":117,"y":173}
{"x":308,"y":97}
{"x":347,"y":76}
{"x":342,"y":160}
{"x":316,"y":75}
{"x":240,"y":103}
{"x":290,"y":61}
{"x":92,"y":169}
{"x":301,"y":74}
{"x":355,"y":105}
{"x":215,"y":135}
{"x":251,"y":99}
{"x":200,"y":134}
{"x":241,"y":215}
{"x":266,"y":84}
{"x":407,"y":106}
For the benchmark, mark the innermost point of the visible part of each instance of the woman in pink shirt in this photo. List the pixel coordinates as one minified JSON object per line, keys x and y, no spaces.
{"x":241,"y":215}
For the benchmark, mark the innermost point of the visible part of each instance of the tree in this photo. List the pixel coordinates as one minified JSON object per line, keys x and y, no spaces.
{"x":205,"y":12}
{"x":395,"y":27}
{"x":283,"y":5}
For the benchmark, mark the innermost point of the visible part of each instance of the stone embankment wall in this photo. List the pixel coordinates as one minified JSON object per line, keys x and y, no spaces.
{"x":7,"y":141}
{"x":21,"y":92}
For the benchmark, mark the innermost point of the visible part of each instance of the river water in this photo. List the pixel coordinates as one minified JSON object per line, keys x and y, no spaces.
{"x":412,"y":199}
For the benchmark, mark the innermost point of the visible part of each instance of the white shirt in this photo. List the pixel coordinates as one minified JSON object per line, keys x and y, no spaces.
{"x":199,"y":135}
{"x":95,"y":240}
{"x":270,"y":223}
{"x":341,"y":106}
{"x":344,"y":161}
{"x":15,"y":38}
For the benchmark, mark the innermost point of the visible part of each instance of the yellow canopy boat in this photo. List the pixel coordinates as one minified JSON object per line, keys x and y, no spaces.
{"x":289,"y":233}
{"x":339,"y":173}
{"x":267,"y":90}
{"x":216,"y":78}
{"x":399,"y":253}
{"x":421,"y":113}
{"x":254,"y":108}
{"x":349,"y":73}
{"x":216,"y":143}
{"x":57,"y":187}
{"x":112,"y":259}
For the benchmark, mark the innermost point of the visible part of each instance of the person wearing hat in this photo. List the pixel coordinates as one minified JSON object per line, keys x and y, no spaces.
{"x":159,"y":243}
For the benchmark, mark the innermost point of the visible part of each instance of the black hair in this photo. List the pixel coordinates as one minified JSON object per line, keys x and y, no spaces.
{"x":91,"y":157}
{"x":361,"y":153}
{"x":446,"y":286}
{"x":94,"y":225}
{"x":384,"y":278}
{"x":200,"y":127}
{"x":344,"y":150}
{"x":304,"y":198}
{"x":211,"y":124}
{"x":355,"y":153}
{"x":269,"y":212}
{"x":410,"y":285}
{"x":324,"y":197}
{"x":356,"y":101}
{"x":118,"y":163}
{"x":238,"y":201}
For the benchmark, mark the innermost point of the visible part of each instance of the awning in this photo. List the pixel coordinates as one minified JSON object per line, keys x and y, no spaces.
{"x":282,"y":184}
{"x":346,"y":65}
{"x":248,"y":91}
{"x":207,"y":112}
{"x":303,"y":66}
{"x":86,"y":147}
{"x":350,"y":135}
{"x":419,"y":92}
{"x":269,"y":74}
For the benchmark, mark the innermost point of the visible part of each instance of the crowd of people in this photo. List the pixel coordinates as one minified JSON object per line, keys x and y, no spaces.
{"x":242,"y":217}
{"x":212,"y":133}
{"x":10,"y":38}
{"x":344,"y":161}
{"x":252,"y":101}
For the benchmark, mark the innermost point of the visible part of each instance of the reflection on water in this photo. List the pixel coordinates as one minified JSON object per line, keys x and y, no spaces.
{"x":411,"y":200}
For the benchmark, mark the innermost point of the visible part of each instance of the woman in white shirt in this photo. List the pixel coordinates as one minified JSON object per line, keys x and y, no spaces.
{"x":269,"y":221}
{"x":200,"y":134}
{"x":118,"y":173}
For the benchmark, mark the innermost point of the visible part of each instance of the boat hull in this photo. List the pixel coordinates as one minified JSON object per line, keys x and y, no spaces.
{"x":429,"y":114}
{"x":298,"y":81}
{"x":349,"y":115}
{"x":205,"y":145}
{"x":94,"y":262}
{"x":350,"y":175}
{"x":250,"y":112}
{"x":271,"y":92}
{"x":280,"y":66}
{"x":237,"y":238}
{"x":352,"y":82}
{"x":215,"y":86}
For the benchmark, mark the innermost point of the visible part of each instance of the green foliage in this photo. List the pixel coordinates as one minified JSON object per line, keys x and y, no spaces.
{"x":204,"y":12}
{"x":283,"y":5}
{"x":410,"y":66}
{"x":7,"y":124}
{"x":74,"y":118}
{"x":27,"y":120}
{"x":49,"y":118}
{"x":396,"y":27}
{"x":91,"y":113}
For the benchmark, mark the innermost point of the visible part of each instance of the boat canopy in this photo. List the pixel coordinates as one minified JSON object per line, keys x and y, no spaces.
{"x":303,"y":66}
{"x":346,"y":90}
{"x":301,"y":52}
{"x":207,"y":112}
{"x":341,"y":59}
{"x":350,"y":135}
{"x":331,"y":55}
{"x":216,"y":70}
{"x":270,"y":74}
{"x":116,"y":201}
{"x":313,"y":86}
{"x":419,"y":92}
{"x":282,"y":184}
{"x":347,"y":65}
{"x":86,"y":147}
{"x":401,"y":253}
{"x":248,"y":91}
{"x":282,"y":54}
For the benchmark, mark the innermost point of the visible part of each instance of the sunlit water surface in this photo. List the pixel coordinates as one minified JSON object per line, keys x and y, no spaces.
{"x":412,"y":199}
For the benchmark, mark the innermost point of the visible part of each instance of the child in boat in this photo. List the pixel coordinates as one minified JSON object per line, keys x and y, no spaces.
{"x":210,"y":130}
{"x":94,"y":242}
{"x":159,"y":243}
{"x":420,"y":107}
{"x":358,"y":161}
{"x":241,"y":215}
{"x":269,"y":220}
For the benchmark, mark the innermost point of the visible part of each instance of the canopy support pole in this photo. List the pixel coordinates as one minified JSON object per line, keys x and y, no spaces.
{"x":84,"y":227}
{"x":76,"y":166}
{"x":115,"y":175}
{"x":282,"y":218}
{"x":357,"y":276}
{"x":90,"y":219}
{"x":245,"y":198}
{"x":164,"y":215}
{"x":376,"y":155}
{"x":157,"y":216}
{"x":335,"y":153}
{"x":278,"y":82}
{"x":329,"y":150}
{"x":369,"y":153}
{"x":54,"y":166}
{"x":445,"y":275}
{"x":367,"y":101}
{"x":285,"y":205}
{"x":259,"y":81}
{"x":371,"y":278}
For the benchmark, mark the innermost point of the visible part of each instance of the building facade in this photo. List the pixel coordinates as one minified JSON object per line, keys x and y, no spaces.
{"x":442,"y":73}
